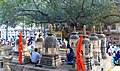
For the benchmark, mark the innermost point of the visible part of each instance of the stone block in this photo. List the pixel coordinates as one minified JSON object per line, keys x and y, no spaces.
{"x":63,"y":53}
{"x":50,"y":61}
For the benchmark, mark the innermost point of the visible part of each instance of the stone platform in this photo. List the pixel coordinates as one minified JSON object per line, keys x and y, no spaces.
{"x":50,"y":60}
{"x":106,"y":64}
{"x":31,"y":67}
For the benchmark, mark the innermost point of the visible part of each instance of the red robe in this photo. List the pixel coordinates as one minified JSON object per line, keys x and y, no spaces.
{"x":20,"y":48}
{"x":80,"y":63}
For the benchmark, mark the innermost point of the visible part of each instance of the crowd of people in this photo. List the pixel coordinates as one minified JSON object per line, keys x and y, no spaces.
{"x":114,"y":51}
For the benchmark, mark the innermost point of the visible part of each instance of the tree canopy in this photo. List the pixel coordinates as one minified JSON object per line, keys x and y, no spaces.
{"x":73,"y":12}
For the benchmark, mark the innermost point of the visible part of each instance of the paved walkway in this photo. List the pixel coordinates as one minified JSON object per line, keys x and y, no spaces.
{"x":106,"y":64}
{"x":116,"y":68}
{"x":1,"y":69}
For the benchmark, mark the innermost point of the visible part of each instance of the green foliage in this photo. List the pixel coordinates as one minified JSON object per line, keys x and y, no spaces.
{"x":72,"y":11}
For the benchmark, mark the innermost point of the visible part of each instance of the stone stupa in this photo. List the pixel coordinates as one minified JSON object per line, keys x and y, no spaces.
{"x":86,"y":50}
{"x":74,"y":39}
{"x":102,"y":38}
{"x":50,"y":57}
{"x":95,"y":50}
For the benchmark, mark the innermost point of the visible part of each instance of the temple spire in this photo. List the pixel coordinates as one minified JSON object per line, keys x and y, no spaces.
{"x":50,"y":28}
{"x":93,"y":34}
{"x":74,"y":29}
{"x":84,"y":30}
{"x":93,"y":29}
{"x":101,"y":29}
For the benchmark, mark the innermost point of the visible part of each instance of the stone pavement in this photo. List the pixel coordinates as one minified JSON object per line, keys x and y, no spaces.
{"x":1,"y":69}
{"x":106,"y":64}
{"x":29,"y":67}
{"x":116,"y":68}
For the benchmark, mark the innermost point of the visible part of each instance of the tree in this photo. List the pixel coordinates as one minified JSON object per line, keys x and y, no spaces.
{"x":73,"y":12}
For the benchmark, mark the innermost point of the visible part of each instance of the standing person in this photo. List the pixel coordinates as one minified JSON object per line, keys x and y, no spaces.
{"x":35,"y":57}
{"x":108,"y":46}
{"x":68,"y":45}
{"x":110,"y":51}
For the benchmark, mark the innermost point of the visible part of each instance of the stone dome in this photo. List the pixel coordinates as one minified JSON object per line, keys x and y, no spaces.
{"x":74,"y":37}
{"x":74,"y":33}
{"x":50,"y":42}
{"x":86,"y":41}
{"x":100,"y":35}
{"x":94,"y":38}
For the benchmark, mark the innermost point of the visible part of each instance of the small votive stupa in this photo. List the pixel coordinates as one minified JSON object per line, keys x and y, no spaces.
{"x":94,"y":40}
{"x":102,"y":38}
{"x":86,"y":50}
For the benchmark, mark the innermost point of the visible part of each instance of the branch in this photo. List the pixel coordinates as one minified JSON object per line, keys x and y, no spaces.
{"x":79,"y":13}
{"x":92,"y":3}
{"x":59,"y":21}
{"x":114,"y":22}
{"x":35,"y":10}
{"x":44,"y":14}
{"x":103,"y":21}
{"x":35,"y":4}
{"x":39,"y":9}
{"x":82,"y":5}
{"x":15,"y":18}
{"x":117,"y":15}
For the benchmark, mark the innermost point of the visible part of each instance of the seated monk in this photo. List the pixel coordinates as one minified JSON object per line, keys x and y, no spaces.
{"x":70,"y":57}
